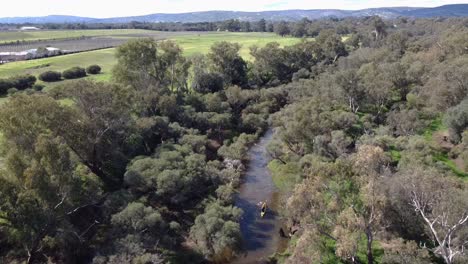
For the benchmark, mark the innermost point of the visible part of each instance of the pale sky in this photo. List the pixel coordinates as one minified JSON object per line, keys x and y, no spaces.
{"x":114,"y":8}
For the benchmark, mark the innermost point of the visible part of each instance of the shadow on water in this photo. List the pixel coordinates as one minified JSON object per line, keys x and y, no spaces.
{"x":260,"y":235}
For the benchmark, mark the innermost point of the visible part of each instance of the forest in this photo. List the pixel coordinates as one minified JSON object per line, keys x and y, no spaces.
{"x":370,"y":132}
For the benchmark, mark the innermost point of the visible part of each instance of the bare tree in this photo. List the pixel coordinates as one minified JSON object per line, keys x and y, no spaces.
{"x":442,"y":204}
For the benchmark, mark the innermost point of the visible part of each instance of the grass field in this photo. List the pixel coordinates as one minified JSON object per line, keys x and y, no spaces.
{"x":9,"y":36}
{"x":202,"y":43}
{"x":192,"y":44}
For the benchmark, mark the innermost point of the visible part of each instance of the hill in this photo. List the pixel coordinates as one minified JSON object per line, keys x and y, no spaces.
{"x":288,"y":15}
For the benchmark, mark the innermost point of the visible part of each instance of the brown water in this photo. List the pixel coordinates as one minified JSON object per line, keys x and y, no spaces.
{"x":261,"y":235}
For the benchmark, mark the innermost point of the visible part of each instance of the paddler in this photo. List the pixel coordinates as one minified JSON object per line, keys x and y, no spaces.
{"x":264,"y":208}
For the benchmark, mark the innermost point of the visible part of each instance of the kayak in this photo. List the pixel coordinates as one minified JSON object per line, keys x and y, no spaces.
{"x":263,"y":211}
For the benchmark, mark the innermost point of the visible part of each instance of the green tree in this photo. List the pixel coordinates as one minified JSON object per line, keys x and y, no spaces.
{"x":261,"y":25}
{"x":43,"y":187}
{"x":282,"y":28}
{"x":225,"y":59}
{"x":216,"y":232}
{"x":456,"y":119}
{"x":145,"y":63}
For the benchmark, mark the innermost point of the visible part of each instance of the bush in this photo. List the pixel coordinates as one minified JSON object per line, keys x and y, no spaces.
{"x":93,"y":69}
{"x":38,"y":87}
{"x":22,"y":82}
{"x":4,"y":86}
{"x":74,"y":73}
{"x":50,"y":76}
{"x":12,"y":91}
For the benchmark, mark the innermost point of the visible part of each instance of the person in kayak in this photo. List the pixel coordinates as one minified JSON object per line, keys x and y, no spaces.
{"x":264,"y":208}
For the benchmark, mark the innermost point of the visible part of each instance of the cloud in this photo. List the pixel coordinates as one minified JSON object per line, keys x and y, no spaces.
{"x":112,"y":8}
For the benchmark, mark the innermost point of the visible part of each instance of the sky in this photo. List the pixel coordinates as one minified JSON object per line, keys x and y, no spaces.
{"x":114,"y":8}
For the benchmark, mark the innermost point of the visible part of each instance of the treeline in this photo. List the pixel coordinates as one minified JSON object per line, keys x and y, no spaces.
{"x":302,"y":28}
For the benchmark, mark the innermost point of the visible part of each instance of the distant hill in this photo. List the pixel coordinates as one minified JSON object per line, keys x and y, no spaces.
{"x":46,"y":19}
{"x":457,"y":10}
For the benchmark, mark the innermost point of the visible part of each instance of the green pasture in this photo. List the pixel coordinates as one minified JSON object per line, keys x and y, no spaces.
{"x":192,"y":44}
{"x":201,"y":43}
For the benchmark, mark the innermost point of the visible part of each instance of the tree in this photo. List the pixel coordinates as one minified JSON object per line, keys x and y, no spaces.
{"x":377,"y":87}
{"x":299,"y":28}
{"x":456,"y":119}
{"x":216,"y":232}
{"x":176,"y":173}
{"x":22,"y":82}
{"x":232,"y":25}
{"x":43,"y":188}
{"x":440,"y":202}
{"x":138,"y":218}
{"x":99,"y":129}
{"x":146,"y":64}
{"x":370,"y":162}
{"x":207,"y":82}
{"x":261,"y":25}
{"x":270,"y":64}
{"x":225,"y":59}
{"x":331,"y":44}
{"x":5,"y":84}
{"x":379,"y":27}
{"x":93,"y":69}
{"x":246,"y":26}
{"x":282,"y":28}
{"x":50,"y":76}
{"x":349,"y":82}
{"x":74,"y":73}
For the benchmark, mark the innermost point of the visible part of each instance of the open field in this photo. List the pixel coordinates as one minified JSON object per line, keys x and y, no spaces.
{"x":201,"y":43}
{"x":9,"y":36}
{"x":85,"y":43}
{"x":191,"y":43}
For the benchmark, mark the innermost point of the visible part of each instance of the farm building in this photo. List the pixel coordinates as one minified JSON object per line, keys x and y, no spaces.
{"x":29,"y":28}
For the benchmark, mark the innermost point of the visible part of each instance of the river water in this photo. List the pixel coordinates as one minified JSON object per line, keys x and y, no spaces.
{"x":261,"y":235}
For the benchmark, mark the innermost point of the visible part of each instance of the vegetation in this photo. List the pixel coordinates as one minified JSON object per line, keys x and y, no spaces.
{"x":143,"y":168}
{"x":50,"y":76}
{"x":74,"y":73}
{"x":93,"y":69}
{"x":19,"y":82}
{"x":382,"y":180}
{"x":191,"y":44}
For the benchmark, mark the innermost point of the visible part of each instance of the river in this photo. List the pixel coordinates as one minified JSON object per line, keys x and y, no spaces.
{"x":261,"y":235}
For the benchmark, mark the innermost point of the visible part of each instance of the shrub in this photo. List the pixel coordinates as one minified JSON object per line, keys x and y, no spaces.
{"x":29,"y":91}
{"x":50,"y":76}
{"x":38,"y":87}
{"x":93,"y":69}
{"x":22,"y":82}
{"x":4,"y":86}
{"x":74,"y":73}
{"x":12,"y":91}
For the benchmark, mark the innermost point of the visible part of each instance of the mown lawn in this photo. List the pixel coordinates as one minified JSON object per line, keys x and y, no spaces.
{"x":192,"y":44}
